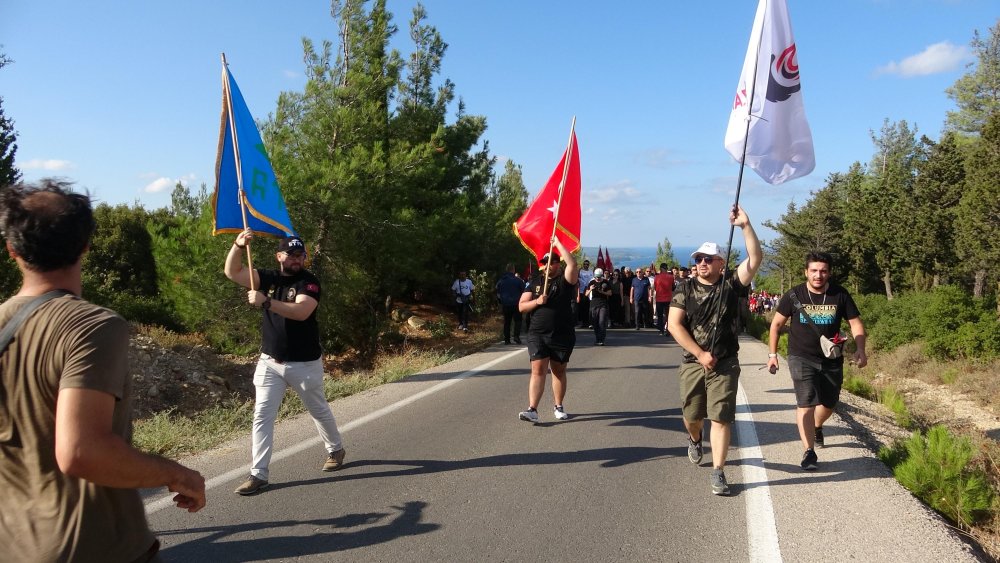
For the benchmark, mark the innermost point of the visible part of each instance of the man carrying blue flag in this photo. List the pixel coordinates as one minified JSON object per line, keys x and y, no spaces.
{"x":291,"y":355}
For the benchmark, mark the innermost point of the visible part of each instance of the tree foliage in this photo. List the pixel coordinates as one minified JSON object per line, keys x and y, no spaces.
{"x":9,"y":174}
{"x":977,"y":93}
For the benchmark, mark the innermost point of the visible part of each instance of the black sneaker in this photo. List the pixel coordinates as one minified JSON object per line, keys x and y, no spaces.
{"x":809,"y":460}
{"x":819,"y":437}
{"x":694,"y":450}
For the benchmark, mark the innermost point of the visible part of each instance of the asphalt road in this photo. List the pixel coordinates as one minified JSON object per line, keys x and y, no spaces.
{"x":440,"y":469}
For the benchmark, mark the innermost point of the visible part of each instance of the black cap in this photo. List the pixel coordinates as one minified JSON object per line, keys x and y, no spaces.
{"x":291,"y":244}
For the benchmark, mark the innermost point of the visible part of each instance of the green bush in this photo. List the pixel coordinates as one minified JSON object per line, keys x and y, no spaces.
{"x":891,"y":324}
{"x":893,"y":399}
{"x":440,"y":327}
{"x":859,"y":386}
{"x":936,"y":469}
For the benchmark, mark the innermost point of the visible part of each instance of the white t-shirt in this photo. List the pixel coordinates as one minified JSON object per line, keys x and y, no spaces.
{"x":462,"y":290}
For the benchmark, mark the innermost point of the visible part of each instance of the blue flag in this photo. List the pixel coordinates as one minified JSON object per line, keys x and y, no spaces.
{"x":242,"y":166}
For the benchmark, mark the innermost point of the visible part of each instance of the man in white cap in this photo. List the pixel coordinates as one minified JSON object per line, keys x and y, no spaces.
{"x":599,"y":291}
{"x":702,"y":320}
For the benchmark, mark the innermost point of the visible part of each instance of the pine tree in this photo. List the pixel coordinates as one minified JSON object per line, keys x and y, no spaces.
{"x":977,"y":93}
{"x":9,"y":174}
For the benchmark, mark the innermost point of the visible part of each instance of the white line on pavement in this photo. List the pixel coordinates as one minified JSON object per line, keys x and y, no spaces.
{"x":165,"y":501}
{"x":762,"y":534}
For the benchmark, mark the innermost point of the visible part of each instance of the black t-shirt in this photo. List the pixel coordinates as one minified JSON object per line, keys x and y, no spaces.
{"x":597,"y":298}
{"x":827,"y":311}
{"x":699,"y":302}
{"x":556,"y":316}
{"x":287,"y":340}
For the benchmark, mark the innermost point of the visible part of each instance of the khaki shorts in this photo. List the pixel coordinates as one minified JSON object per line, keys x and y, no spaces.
{"x":710,"y":395}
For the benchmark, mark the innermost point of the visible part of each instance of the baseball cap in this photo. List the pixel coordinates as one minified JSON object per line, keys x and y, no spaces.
{"x":708,"y":249}
{"x":291,"y":244}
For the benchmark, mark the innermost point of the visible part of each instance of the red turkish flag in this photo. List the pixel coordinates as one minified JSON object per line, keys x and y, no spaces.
{"x":600,"y":259}
{"x":534,"y":228}
{"x":607,"y":261}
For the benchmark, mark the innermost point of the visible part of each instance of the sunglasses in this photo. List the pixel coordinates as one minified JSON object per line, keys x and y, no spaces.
{"x":704,"y":259}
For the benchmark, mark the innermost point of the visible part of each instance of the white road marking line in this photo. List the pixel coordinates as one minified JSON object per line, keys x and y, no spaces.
{"x":762,"y":534}
{"x":165,"y":501}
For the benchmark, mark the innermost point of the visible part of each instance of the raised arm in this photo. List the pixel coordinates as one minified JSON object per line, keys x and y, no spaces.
{"x":748,"y":268}
{"x":234,"y":269}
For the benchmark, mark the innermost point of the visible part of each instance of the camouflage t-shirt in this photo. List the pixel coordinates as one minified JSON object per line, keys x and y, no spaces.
{"x":700,"y":305}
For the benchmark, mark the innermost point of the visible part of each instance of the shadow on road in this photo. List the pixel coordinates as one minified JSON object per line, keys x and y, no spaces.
{"x":325,"y":535}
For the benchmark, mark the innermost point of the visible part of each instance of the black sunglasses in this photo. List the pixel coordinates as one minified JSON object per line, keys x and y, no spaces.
{"x":704,"y":259}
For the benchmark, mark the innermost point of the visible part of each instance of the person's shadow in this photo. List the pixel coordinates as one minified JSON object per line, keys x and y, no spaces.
{"x":325,"y":535}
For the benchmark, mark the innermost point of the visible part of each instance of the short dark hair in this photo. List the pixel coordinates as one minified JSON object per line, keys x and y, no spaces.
{"x":47,"y":224}
{"x":663,"y":266}
{"x":823,"y":257}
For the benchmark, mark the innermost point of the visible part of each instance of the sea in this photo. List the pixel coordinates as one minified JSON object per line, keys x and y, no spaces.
{"x":633,"y":256}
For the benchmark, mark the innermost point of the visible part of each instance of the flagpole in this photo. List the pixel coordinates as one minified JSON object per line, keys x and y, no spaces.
{"x":739,"y":182}
{"x":562,"y":185}
{"x":236,"y":156}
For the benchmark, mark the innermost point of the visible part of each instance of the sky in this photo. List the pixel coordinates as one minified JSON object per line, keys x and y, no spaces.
{"x":124,"y":97}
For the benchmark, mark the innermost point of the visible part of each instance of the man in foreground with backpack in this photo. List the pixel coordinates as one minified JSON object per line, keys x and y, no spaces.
{"x":816,"y":308}
{"x":67,"y":470}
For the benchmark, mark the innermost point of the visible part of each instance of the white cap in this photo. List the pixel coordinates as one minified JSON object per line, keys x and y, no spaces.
{"x":709,"y":248}
{"x":598,"y":273}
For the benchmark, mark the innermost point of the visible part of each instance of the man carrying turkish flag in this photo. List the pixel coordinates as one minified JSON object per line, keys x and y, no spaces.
{"x":556,"y":209}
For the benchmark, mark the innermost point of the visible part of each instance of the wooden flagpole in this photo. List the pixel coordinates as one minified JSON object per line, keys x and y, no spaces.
{"x":562,"y":185}
{"x":236,"y":156}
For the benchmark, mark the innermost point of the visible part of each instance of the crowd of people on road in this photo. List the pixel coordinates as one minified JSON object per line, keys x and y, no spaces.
{"x":701,"y":309}
{"x":67,"y":464}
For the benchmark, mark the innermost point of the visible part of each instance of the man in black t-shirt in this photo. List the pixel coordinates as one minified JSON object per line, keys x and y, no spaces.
{"x":291,"y":355}
{"x":599,"y":291}
{"x":709,"y":374}
{"x":817,"y":379}
{"x":549,"y":300}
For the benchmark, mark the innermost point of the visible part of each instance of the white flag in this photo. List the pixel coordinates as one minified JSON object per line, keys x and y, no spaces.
{"x":780,"y":146}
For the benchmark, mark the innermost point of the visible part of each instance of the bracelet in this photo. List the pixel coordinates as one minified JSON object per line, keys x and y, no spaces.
{"x":238,"y":245}
{"x":772,"y":355}
{"x":266,"y":305}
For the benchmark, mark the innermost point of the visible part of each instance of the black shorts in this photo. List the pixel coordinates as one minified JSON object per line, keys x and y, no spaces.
{"x":816,"y":382}
{"x":558,"y":348}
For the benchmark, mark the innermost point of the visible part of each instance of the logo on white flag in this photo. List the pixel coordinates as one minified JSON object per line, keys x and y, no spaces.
{"x":783,"y":78}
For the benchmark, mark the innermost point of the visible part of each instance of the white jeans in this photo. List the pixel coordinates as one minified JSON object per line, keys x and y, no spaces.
{"x":270,"y":380}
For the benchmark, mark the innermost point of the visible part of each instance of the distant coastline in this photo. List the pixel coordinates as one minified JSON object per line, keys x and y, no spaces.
{"x":642,"y":255}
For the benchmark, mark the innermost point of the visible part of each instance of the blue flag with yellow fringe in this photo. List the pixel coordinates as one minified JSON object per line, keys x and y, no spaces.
{"x":246,"y":189}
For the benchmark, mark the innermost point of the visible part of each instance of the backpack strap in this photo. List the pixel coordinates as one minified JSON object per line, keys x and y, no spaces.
{"x":7,"y":334}
{"x":802,"y":311}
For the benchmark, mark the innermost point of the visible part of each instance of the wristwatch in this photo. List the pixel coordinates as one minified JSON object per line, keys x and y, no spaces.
{"x":772,"y":355}
{"x":266,"y":305}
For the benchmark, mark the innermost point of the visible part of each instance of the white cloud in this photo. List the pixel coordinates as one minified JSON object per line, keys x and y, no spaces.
{"x":160,"y":184}
{"x":937,"y":58}
{"x":49,"y":164}
{"x":290,"y":74}
{"x":622,"y":192}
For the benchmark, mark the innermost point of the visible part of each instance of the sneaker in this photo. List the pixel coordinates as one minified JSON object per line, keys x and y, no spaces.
{"x":809,"y":460}
{"x":251,"y":486}
{"x":601,"y":343}
{"x":530,"y":415}
{"x":819,"y":437}
{"x":559,"y":413}
{"x":694,"y":450}
{"x":718,"y":481}
{"x":334,"y":460}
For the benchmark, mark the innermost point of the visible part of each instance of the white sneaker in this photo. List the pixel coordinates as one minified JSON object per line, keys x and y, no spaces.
{"x":560,"y":414}
{"x":529,"y":415}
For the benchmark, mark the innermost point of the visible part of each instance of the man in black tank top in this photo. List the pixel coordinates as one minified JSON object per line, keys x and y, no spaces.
{"x":548,"y":300}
